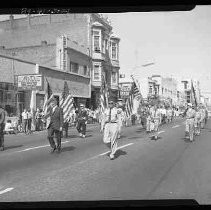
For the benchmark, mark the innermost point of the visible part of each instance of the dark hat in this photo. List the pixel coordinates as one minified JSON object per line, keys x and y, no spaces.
{"x":53,"y":99}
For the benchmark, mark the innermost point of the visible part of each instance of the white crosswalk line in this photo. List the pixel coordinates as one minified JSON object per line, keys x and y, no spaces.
{"x":32,"y":148}
{"x":160,"y":132}
{"x":176,"y":126}
{"x":6,"y":190}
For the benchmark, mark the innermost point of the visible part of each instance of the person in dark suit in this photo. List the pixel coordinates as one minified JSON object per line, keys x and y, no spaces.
{"x":54,"y":125}
{"x":82,"y":117}
{"x":2,"y":125}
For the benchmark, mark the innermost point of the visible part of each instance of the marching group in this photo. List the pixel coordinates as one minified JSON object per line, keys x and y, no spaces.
{"x":149,"y":117}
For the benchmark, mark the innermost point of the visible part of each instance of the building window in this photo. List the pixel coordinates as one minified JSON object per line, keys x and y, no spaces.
{"x":114,"y":77}
{"x":96,"y":41}
{"x":113,"y":50}
{"x":85,"y":70}
{"x":96,"y":72}
{"x":185,"y":85}
{"x":150,"y":89}
{"x":74,"y":67}
{"x":106,"y":44}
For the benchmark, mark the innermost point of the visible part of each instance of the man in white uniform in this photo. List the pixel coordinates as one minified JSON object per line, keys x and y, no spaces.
{"x":110,"y":127}
{"x":189,"y":123}
{"x":120,"y":118}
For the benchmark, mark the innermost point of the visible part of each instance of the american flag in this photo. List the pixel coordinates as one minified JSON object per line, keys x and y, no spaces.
{"x":134,"y":98}
{"x":66,"y":102}
{"x":103,"y":95}
{"x":47,"y":100}
{"x":193,"y":94}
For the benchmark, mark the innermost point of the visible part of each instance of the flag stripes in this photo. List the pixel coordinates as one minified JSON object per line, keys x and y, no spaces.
{"x":134,"y":95}
{"x":66,"y":102}
{"x":47,"y":100}
{"x":129,"y":106}
{"x":193,"y":94}
{"x":103,"y":95}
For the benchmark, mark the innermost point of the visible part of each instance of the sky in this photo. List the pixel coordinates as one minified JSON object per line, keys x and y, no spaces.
{"x":179,"y":43}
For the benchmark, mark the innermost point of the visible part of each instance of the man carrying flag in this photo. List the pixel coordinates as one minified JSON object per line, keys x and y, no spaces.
{"x":134,"y":99}
{"x":54,"y":119}
{"x":67,"y":104}
{"x":47,"y":100}
{"x":103,"y":98}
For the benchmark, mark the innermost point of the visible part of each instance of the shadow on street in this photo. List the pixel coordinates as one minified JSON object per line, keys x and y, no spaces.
{"x":67,"y":149}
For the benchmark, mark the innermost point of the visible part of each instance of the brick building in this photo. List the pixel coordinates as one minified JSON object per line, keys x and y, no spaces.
{"x":89,"y":37}
{"x":78,"y":79}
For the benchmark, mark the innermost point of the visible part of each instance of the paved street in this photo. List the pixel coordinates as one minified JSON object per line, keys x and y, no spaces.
{"x":170,"y":167}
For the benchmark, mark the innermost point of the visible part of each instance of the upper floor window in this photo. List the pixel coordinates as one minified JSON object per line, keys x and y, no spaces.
{"x":114,"y":77}
{"x":185,"y":85}
{"x":96,"y":40}
{"x":114,"y":50}
{"x":106,"y":44}
{"x":150,"y":89}
{"x":85,"y":70}
{"x":74,"y":67}
{"x":96,"y":72}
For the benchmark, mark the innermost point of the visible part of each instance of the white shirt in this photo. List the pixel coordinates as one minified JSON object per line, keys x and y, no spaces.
{"x":25,"y":115}
{"x":53,"y":109}
{"x":8,"y":126}
{"x":29,"y":115}
{"x":114,"y":115}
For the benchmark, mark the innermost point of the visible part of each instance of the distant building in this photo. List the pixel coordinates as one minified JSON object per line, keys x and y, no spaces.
{"x":154,"y":88}
{"x":187,"y":89}
{"x":206,"y":98}
{"x":89,"y":38}
{"x":164,"y":88}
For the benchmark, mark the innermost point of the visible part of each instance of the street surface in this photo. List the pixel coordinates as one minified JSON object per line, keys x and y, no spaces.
{"x":169,"y":168}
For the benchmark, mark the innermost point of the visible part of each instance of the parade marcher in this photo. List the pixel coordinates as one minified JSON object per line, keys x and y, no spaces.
{"x":82,"y":117}
{"x":29,"y":123}
{"x":143,"y":117}
{"x":38,"y":119}
{"x":148,"y":119}
{"x":168,"y":115}
{"x":155,"y":119}
{"x":197,"y":121}
{"x":25,"y":120}
{"x":163,"y":113}
{"x":133,"y":119}
{"x":189,"y":124}
{"x":206,"y":115}
{"x":66,"y":126}
{"x":110,"y":127}
{"x":55,"y":125}
{"x":2,"y":125}
{"x":120,"y":119}
{"x":203,"y":115}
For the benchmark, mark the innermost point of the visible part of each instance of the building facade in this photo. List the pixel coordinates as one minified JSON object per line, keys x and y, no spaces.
{"x":39,"y":39}
{"x":187,"y":90}
{"x":15,"y":99}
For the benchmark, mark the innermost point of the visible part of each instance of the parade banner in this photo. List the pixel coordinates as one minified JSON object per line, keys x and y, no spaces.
{"x":29,"y":82}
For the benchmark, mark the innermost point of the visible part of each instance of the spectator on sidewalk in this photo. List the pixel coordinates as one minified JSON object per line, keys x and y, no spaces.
{"x":38,"y":119}
{"x":29,"y":131}
{"x":25,"y":120}
{"x":82,"y":117}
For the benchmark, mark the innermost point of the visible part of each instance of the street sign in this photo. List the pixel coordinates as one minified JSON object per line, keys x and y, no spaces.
{"x":29,"y":82}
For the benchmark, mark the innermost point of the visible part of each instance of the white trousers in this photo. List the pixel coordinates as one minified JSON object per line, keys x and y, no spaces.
{"x":110,"y":135}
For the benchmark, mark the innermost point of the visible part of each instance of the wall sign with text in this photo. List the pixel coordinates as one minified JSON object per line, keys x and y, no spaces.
{"x":29,"y":82}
